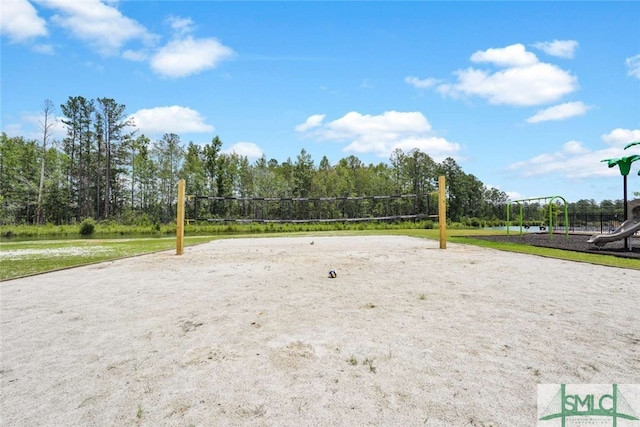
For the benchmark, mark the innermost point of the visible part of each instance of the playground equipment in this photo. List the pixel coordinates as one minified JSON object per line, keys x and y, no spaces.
{"x":627,"y":229}
{"x":442,"y":211}
{"x":624,"y":164}
{"x":551,"y":199}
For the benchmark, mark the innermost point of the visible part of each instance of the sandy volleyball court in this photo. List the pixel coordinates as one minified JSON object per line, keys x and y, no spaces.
{"x":253,"y":332}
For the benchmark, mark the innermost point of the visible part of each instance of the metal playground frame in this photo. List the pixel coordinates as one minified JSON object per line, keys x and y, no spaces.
{"x":551,"y":199}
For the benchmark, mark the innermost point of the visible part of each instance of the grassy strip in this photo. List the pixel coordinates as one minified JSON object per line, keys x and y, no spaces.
{"x":72,"y":231}
{"x":607,"y":260}
{"x":111,"y":229}
{"x":466,"y":237}
{"x":40,"y":256}
{"x":21,"y":259}
{"x":49,"y":255}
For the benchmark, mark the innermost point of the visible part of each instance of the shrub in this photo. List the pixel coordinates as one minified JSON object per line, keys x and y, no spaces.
{"x":87,"y":227}
{"x":475,"y":222}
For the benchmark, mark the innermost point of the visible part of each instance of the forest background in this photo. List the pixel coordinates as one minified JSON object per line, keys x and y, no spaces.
{"x":104,"y":170}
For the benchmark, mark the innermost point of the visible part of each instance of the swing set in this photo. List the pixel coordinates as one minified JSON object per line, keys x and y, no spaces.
{"x":551,"y":199}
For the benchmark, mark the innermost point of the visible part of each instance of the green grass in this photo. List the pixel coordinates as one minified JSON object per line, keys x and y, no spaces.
{"x":106,"y":228}
{"x":73,"y":231}
{"x":466,"y":237}
{"x":608,"y":260}
{"x":41,"y":256}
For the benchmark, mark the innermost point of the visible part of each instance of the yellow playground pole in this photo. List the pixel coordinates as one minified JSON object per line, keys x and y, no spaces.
{"x":442,"y":212}
{"x":180,"y":219}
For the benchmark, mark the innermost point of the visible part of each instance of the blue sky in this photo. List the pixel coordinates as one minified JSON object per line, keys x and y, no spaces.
{"x":527,"y":96}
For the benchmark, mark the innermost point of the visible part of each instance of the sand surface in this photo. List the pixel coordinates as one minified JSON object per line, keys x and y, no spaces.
{"x":253,"y":332}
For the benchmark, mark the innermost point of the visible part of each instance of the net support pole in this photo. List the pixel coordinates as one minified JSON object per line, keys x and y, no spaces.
{"x":442,"y":212}
{"x":180,"y":219}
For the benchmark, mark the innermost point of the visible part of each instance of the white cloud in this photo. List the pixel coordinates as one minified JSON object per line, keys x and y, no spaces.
{"x":521,"y":80}
{"x":573,"y":161}
{"x":30,"y":127}
{"x":515,"y":55}
{"x":620,"y":137}
{"x":514,"y":195}
{"x":437,"y":147}
{"x":20,"y":22}
{"x":421,"y":83}
{"x":633,"y":64}
{"x":93,"y":65}
{"x":312,"y":122}
{"x":380,"y":134}
{"x":511,"y":195}
{"x":183,"y":57}
{"x":14,"y":129}
{"x":248,"y":149}
{"x":560,"y":48}
{"x":576,"y":162}
{"x":173,"y":119}
{"x":44,"y":48}
{"x":135,"y":55}
{"x":574,"y":147}
{"x":179,"y":25}
{"x":559,"y":112}
{"x":99,"y":24}
{"x":535,"y":84}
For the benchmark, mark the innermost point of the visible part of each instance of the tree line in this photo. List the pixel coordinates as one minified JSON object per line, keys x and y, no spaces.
{"x":103,"y":170}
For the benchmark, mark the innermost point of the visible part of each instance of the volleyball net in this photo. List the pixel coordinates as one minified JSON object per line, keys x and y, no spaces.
{"x":404,"y":207}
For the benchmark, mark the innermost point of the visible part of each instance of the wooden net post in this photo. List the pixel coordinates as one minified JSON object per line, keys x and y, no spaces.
{"x":180,"y":219}
{"x":442,"y":212}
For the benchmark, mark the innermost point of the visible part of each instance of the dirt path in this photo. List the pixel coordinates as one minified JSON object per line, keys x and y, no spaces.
{"x":253,"y":332}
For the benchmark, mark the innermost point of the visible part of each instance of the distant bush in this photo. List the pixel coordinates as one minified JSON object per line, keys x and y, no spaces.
{"x":87,"y":227}
{"x":476,"y":222}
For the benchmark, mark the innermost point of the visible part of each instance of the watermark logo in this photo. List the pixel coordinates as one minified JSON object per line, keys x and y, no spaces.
{"x":589,"y":405}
